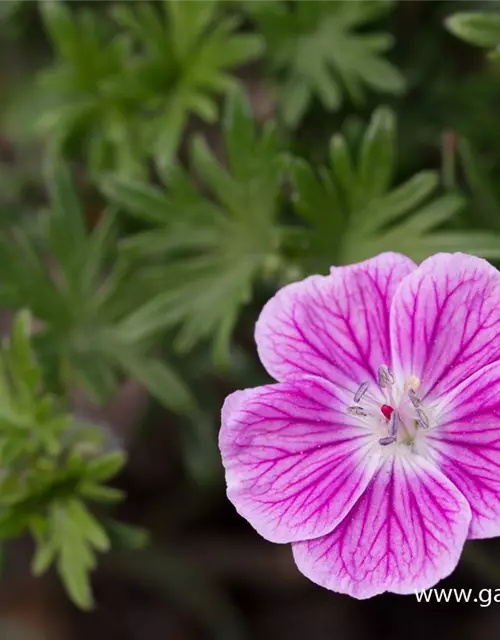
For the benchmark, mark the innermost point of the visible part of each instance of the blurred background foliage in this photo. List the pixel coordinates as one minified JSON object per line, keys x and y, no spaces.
{"x":165,"y":166}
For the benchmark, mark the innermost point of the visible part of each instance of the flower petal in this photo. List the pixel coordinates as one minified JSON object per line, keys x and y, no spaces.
{"x":466,"y":446}
{"x":445,"y":318}
{"x":335,"y":326}
{"x":295,"y":461}
{"x":405,"y":533}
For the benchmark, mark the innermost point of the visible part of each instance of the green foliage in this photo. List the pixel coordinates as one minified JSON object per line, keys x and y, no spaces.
{"x":320,"y":50}
{"x":190,"y":232}
{"x":80,"y":298}
{"x":52,"y":465}
{"x":481,"y":29}
{"x":124,"y":89}
{"x":93,"y":96}
{"x":187,"y":52}
{"x":353,"y":213}
{"x":205,"y":253}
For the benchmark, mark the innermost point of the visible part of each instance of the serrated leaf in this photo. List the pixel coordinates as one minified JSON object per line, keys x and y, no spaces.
{"x":75,"y":557}
{"x":215,"y":246}
{"x":350,"y":219}
{"x":321,"y":52}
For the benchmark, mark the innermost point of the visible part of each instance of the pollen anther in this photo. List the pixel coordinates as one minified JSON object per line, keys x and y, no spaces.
{"x":392,"y":428}
{"x":385,"y":377}
{"x":360,"y":392}
{"x":422,"y":419}
{"x":414,"y":399}
{"x":356,"y":411}
{"x":412,"y":382}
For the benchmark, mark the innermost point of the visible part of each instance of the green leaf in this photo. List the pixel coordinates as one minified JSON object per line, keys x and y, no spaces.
{"x":485,"y":201}
{"x":97,"y":493}
{"x":43,"y":558}
{"x":57,"y":20}
{"x":294,"y":98}
{"x":157,"y":377}
{"x":377,"y":155}
{"x":65,"y":224}
{"x":20,"y":358}
{"x":126,"y":536}
{"x":143,"y":201}
{"x":216,"y":246}
{"x":75,"y":558}
{"x":398,"y":202}
{"x":89,"y":526}
{"x":105,"y":467}
{"x":83,"y":307}
{"x":99,"y":246}
{"x":482,"y":29}
{"x":343,"y":169}
{"x":433,"y":215}
{"x":189,"y":55}
{"x":351,"y":211}
{"x":312,"y":197}
{"x":50,"y":463}
{"x":320,"y":50}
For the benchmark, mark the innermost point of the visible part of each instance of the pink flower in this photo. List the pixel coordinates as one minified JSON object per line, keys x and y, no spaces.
{"x":378,"y":451}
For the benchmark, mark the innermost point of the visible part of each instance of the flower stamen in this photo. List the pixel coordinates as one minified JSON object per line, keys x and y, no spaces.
{"x":385,"y":377}
{"x":356,"y":411}
{"x":392,"y":429}
{"x":422,"y":420}
{"x":360,"y":392}
{"x":414,"y":399}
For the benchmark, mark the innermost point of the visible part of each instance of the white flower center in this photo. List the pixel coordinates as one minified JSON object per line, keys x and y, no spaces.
{"x":395,"y":410}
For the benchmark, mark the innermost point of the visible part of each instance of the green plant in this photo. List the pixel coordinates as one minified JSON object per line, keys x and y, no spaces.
{"x":195,"y":231}
{"x":319,"y":49}
{"x":479,"y":28}
{"x":205,"y":252}
{"x":80,"y":296}
{"x":353,"y":213}
{"x":124,"y":88}
{"x":52,"y":467}
{"x":187,"y":51}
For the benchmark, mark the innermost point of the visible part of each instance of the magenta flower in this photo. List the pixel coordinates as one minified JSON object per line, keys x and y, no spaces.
{"x":378,"y":451}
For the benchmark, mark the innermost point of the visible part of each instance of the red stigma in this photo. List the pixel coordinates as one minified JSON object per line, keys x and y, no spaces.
{"x":387,"y":410}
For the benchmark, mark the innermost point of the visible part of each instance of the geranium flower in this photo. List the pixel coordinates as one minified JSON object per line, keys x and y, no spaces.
{"x":378,"y":451}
